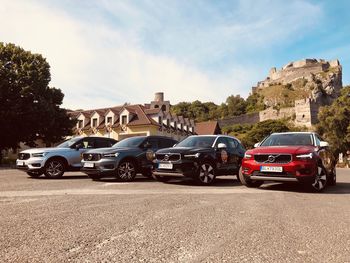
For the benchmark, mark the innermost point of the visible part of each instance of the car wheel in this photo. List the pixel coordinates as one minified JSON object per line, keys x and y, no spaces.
{"x":238,"y":177}
{"x":126,"y":171}
{"x":247,"y":182}
{"x":206,"y":173}
{"x":320,"y":182}
{"x":332,"y":180}
{"x":54,"y":168}
{"x":95,"y":177}
{"x":34,"y":174}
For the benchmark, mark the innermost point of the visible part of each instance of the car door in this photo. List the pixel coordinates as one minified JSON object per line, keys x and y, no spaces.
{"x":222,"y":156}
{"x":81,"y":146}
{"x":325,"y":154}
{"x":236,"y":155}
{"x":148,"y":147}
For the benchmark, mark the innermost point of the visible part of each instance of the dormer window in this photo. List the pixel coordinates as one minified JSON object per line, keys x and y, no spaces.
{"x":109,"y":120}
{"x":124,"y":119}
{"x":80,"y":124}
{"x":94,"y":122}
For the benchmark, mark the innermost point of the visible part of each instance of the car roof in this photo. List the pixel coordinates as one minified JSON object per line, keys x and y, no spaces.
{"x":216,"y":135}
{"x":293,"y":133}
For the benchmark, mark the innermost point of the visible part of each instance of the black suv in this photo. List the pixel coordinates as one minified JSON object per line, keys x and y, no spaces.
{"x":125,"y":159}
{"x":201,"y":158}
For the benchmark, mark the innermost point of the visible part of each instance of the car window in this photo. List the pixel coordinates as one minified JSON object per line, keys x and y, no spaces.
{"x":221,"y":140}
{"x":87,"y":143}
{"x":165,"y":143}
{"x":103,"y":143}
{"x":153,"y":142}
{"x":232,"y":143}
{"x":318,"y":140}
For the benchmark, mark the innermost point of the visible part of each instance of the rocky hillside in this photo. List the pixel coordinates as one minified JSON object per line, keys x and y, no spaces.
{"x":319,"y":80}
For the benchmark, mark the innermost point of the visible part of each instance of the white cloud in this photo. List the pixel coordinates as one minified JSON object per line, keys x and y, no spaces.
{"x":152,"y":48}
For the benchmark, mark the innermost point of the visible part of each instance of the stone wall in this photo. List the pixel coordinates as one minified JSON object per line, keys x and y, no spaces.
{"x":272,"y":114}
{"x":249,"y":118}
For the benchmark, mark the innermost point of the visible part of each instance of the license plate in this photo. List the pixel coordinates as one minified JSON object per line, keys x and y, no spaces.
{"x":273,"y":169}
{"x":89,"y":165}
{"x":165,"y":166}
{"x":20,"y":163}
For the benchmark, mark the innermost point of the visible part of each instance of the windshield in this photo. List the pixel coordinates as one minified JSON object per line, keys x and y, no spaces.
{"x":68,"y":143}
{"x":197,"y":141}
{"x":288,"y":139}
{"x":129,"y":142}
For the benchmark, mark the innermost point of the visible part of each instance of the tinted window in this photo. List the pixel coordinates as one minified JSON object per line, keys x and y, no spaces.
{"x":153,"y":142}
{"x":87,"y":143}
{"x":288,"y":139}
{"x":221,"y":140}
{"x":166,"y":143}
{"x":130,"y":142}
{"x":68,"y":143}
{"x":232,"y":143}
{"x":197,"y":141}
{"x":103,"y":143}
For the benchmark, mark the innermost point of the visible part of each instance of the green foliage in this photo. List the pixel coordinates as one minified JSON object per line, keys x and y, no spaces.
{"x":29,"y":108}
{"x":236,"y":105}
{"x":255,"y":103}
{"x":334,"y":123}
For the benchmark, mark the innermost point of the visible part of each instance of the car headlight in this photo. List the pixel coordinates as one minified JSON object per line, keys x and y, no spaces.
{"x":305,"y":156}
{"x":248,"y":156}
{"x":192,"y":155}
{"x":109,"y":155}
{"x":39,"y":154}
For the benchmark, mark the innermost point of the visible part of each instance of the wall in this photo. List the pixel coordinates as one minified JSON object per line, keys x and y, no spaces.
{"x":249,"y":118}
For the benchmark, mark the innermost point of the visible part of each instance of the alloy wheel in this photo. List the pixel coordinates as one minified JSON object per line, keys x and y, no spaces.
{"x":320,"y":179}
{"x":126,"y":171}
{"x":206,"y":173}
{"x":54,"y":169}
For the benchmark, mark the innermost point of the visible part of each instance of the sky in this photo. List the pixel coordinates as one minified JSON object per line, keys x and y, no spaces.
{"x":104,"y":53}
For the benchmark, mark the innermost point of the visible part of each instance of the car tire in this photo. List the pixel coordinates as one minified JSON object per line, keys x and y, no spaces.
{"x":34,"y":174}
{"x":206,"y":173}
{"x":95,"y":177}
{"x":54,"y":168}
{"x":332,"y":180}
{"x":126,"y":171}
{"x":320,"y":181}
{"x":238,"y":177}
{"x":247,"y":182}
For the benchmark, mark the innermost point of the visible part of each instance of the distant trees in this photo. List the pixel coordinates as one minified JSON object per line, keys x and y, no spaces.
{"x":334,"y":123}
{"x":29,"y":108}
{"x":234,"y":106}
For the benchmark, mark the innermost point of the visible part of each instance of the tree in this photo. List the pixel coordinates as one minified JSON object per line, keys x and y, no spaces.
{"x":236,"y":105}
{"x":29,"y":108}
{"x":334,"y":123}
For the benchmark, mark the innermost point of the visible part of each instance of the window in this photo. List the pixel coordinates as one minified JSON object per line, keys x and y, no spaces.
{"x":221,"y":140}
{"x":94,"y":122}
{"x":109,"y":120}
{"x":80,"y":124}
{"x":87,"y":143}
{"x":153,"y":142}
{"x":103,"y":143}
{"x":166,"y":143}
{"x":232,"y":143}
{"x":124,"y":119}
{"x":163,"y":108}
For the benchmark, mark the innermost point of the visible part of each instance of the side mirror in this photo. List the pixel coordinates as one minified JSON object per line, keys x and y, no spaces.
{"x":174,"y":145}
{"x":257,"y":145}
{"x":222,"y":146}
{"x":324,"y":144}
{"x":77,"y":146}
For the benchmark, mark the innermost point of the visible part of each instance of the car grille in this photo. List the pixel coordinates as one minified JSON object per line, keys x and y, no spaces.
{"x":273,"y":158}
{"x":23,"y":156}
{"x":91,"y":156}
{"x":166,"y":157}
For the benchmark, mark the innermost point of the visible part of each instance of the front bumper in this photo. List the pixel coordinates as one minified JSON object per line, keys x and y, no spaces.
{"x":303,"y":171}
{"x":31,"y":164}
{"x":181,"y":168}
{"x":103,"y":167}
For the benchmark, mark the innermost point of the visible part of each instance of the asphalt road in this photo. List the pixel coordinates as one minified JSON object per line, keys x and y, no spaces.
{"x":76,"y":219}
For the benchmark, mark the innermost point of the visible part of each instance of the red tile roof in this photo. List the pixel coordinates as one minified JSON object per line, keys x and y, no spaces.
{"x":207,"y":128}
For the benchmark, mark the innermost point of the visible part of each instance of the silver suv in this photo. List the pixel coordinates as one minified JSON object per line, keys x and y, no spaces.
{"x":53,"y":162}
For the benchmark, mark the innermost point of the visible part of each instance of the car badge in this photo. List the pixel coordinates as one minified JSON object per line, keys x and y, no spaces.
{"x":166,"y":157}
{"x":271,"y":158}
{"x":90,"y":157}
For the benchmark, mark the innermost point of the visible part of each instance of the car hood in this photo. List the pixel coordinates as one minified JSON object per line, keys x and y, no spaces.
{"x":300,"y":149}
{"x":113,"y":150}
{"x":184,"y":150}
{"x":41,"y":150}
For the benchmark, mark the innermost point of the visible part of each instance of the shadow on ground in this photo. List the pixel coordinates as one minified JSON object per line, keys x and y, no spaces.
{"x":340,"y":188}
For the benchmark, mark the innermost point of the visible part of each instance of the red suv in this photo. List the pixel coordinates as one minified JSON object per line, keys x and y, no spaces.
{"x":290,"y":157}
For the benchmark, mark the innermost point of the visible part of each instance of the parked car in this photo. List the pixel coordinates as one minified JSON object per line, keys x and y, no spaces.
{"x":125,"y":159}
{"x":290,"y":157}
{"x":201,"y":158}
{"x":53,"y":162}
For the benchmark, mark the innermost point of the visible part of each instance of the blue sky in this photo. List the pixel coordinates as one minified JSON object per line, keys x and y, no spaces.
{"x":106,"y":52}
